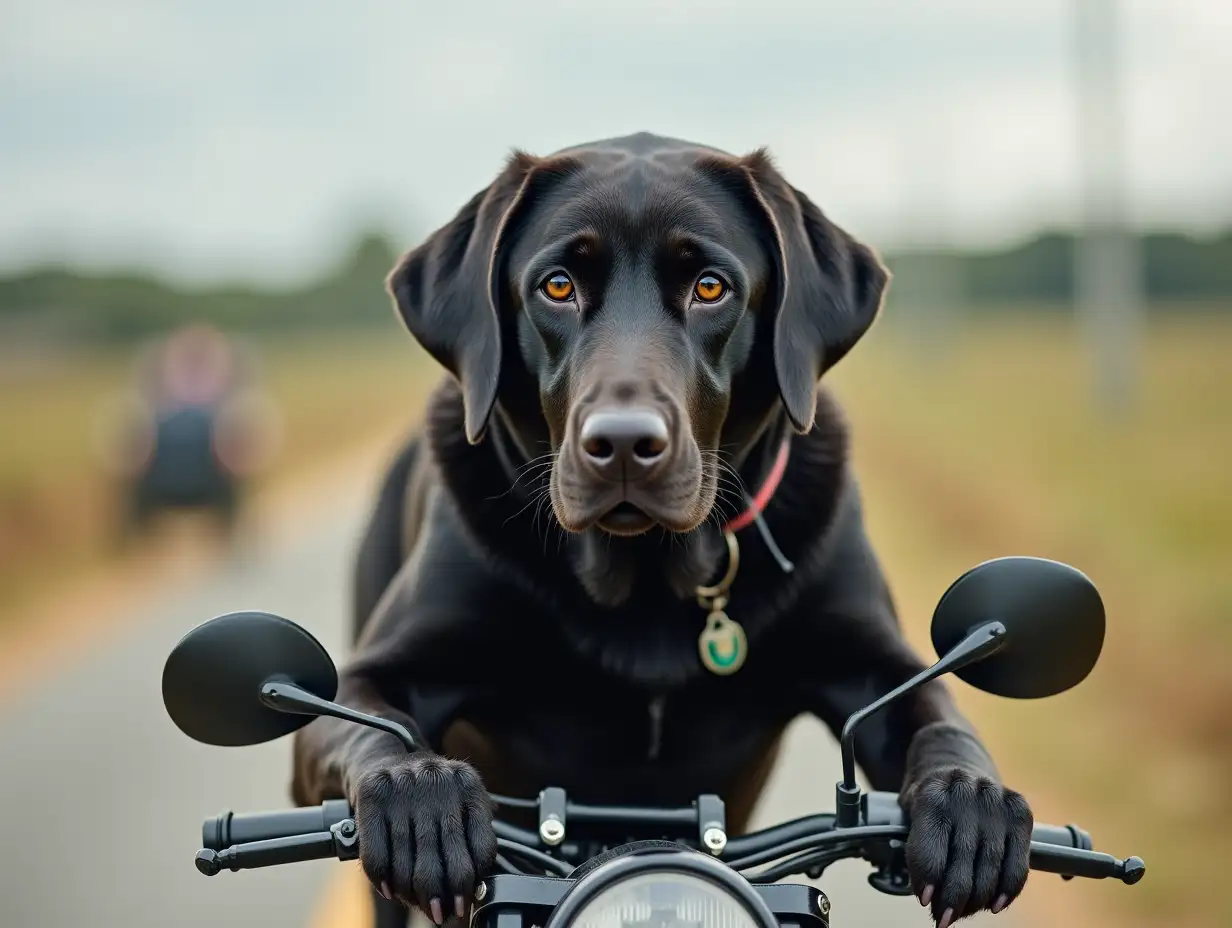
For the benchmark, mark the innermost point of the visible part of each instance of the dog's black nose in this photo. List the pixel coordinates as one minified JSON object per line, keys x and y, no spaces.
{"x":624,"y":443}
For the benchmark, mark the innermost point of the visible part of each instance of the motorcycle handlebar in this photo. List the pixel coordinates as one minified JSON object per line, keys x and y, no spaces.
{"x":288,"y":835}
{"x":228,"y":828}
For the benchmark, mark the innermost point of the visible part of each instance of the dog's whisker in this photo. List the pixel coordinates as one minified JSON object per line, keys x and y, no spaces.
{"x":549,"y":514}
{"x":532,"y":501}
{"x":531,"y":472}
{"x":534,"y":475}
{"x":536,"y":501}
{"x":536,"y":462}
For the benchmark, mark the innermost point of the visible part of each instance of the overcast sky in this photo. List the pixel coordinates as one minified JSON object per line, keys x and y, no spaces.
{"x":227,"y":138}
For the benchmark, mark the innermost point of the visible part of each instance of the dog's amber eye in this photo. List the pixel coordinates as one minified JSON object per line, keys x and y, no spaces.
{"x":558,"y":287}
{"x":709,"y":288}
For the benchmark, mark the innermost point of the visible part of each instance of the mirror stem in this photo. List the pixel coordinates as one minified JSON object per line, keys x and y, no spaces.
{"x":287,"y":697}
{"x":981,"y":642}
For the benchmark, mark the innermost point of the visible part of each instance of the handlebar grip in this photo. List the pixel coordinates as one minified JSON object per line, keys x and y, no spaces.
{"x":227,"y":829}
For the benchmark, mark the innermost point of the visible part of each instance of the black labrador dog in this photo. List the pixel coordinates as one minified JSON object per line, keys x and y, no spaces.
{"x":557,"y":586}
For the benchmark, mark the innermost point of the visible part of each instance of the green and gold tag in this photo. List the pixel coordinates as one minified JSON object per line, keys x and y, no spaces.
{"x":722,"y":645}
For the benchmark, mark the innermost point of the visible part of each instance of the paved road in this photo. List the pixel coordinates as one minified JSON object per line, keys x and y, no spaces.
{"x":101,"y":797}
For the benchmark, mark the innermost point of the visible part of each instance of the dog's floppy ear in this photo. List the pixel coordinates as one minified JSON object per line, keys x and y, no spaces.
{"x":828,"y":287}
{"x":447,"y":290}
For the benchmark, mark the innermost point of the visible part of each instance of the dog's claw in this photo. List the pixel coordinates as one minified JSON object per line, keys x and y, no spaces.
{"x":437,"y":915}
{"x":1002,"y":901}
{"x":946,"y":918}
{"x":927,"y":896}
{"x":459,"y":907}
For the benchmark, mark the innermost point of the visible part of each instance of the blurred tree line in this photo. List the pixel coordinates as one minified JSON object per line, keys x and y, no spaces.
{"x":1178,"y":272}
{"x":60,"y":305}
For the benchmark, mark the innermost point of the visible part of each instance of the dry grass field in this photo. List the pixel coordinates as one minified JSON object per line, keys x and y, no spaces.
{"x":993,"y":448}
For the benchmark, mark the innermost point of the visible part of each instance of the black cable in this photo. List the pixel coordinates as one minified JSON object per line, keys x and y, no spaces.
{"x":777,"y":835}
{"x":511,"y":802}
{"x":505,"y":866}
{"x":803,"y":863}
{"x":546,"y":861}
{"x":514,"y":833}
{"x":818,"y":842}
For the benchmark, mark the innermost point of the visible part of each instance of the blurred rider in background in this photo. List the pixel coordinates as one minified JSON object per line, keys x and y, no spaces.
{"x":195,"y":430}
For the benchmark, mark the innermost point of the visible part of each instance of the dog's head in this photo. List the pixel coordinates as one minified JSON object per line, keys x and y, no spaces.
{"x":639,"y":310}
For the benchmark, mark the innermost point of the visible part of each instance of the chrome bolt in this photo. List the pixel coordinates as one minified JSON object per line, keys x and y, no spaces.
{"x":823,"y":904}
{"x":481,"y":892}
{"x":715,"y":840}
{"x":551,"y":831}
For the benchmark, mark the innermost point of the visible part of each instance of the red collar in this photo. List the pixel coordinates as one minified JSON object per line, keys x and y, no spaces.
{"x":758,"y":503}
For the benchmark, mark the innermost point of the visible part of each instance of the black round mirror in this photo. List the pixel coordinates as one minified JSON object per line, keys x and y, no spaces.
{"x":212,"y":679}
{"x":1054,"y":620}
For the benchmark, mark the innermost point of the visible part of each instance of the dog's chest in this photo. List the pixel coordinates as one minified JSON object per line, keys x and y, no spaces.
{"x":617,"y":741}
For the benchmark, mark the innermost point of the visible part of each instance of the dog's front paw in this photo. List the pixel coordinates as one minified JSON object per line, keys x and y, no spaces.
{"x":969,"y":845}
{"x":425,"y":832}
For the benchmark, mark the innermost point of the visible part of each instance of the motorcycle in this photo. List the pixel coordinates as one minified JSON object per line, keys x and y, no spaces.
{"x":1018,"y":627}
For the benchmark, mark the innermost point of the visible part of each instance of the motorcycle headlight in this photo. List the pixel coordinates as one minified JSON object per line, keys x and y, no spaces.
{"x":674,"y":889}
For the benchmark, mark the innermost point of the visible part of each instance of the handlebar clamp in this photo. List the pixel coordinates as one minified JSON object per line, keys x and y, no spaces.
{"x":553,"y":805}
{"x":711,"y":823}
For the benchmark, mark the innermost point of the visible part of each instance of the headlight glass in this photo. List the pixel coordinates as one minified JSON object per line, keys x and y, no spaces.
{"x":664,"y":899}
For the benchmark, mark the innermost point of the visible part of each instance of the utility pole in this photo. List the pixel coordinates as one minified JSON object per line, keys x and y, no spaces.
{"x":1107,"y":268}
{"x":936,"y":294}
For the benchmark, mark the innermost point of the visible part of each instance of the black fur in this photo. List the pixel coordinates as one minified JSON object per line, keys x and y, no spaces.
{"x":533,"y":652}
{"x":381,"y":551}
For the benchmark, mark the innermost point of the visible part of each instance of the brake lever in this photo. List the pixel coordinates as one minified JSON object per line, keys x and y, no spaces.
{"x":1093,"y":865}
{"x":341,"y":841}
